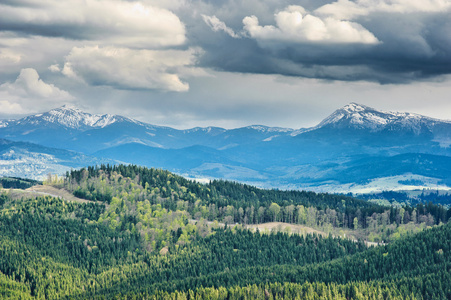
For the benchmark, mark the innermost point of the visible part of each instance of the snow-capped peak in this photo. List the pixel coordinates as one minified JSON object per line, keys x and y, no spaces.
{"x":73,"y":117}
{"x":360,"y":116}
{"x":355,"y":107}
{"x":356,"y":115}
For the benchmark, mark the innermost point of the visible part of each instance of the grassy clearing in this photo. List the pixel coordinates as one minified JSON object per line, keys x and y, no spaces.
{"x":44,"y":190}
{"x":284,"y":227}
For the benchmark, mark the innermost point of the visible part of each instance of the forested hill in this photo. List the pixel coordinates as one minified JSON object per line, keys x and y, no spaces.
{"x":231,"y":202}
{"x":149,"y":234}
{"x":219,"y":191}
{"x":417,"y":267}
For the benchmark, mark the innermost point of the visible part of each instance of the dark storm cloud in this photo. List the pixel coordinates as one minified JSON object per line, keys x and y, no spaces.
{"x":411,"y":46}
{"x":380,"y":41}
{"x":188,"y":63}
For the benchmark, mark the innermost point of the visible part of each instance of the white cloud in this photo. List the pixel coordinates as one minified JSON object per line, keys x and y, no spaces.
{"x":29,"y":84}
{"x":217,"y":25}
{"x":294,"y":25}
{"x":117,"y":43}
{"x":8,"y":57}
{"x":8,"y":108}
{"x":116,"y":22}
{"x":125,"y":68}
{"x":168,"y":4}
{"x":18,"y":51}
{"x":345,"y":9}
{"x":29,"y":90}
{"x":54,"y":68}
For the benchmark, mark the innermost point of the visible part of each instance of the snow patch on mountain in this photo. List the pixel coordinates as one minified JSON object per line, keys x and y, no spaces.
{"x":73,"y":117}
{"x":29,"y":131}
{"x":209,"y":130}
{"x":262,"y":128}
{"x":357,"y":116}
{"x":271,"y":138}
{"x":444,"y":142}
{"x":131,"y":140}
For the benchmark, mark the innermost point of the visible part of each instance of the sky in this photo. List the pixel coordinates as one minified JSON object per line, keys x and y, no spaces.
{"x":188,"y":63}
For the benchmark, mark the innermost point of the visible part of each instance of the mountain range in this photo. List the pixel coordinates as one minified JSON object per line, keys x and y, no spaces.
{"x":355,"y":146}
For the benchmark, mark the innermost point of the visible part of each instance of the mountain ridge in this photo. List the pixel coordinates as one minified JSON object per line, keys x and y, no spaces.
{"x":358,"y":115}
{"x":267,"y":156}
{"x":364,"y":117}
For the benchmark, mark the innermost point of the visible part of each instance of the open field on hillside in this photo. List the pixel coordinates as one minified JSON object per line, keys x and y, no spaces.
{"x":298,"y":229}
{"x":284,"y":227}
{"x":45,"y":190}
{"x":272,"y":227}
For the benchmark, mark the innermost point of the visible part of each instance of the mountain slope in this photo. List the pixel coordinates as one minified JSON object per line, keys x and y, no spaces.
{"x":359,"y":116}
{"x":65,"y":116}
{"x":345,"y":146}
{"x":55,"y":126}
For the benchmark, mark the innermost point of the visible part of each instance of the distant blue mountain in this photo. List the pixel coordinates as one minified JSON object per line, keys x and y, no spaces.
{"x":355,"y":143}
{"x":174,"y":159}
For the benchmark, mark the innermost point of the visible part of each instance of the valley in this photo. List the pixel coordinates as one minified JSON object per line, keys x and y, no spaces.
{"x":126,"y":231}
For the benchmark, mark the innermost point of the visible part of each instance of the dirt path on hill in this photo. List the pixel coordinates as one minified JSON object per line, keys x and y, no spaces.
{"x":287,"y":228}
{"x":55,"y":192}
{"x":272,"y":227}
{"x":284,"y":227}
{"x":46,"y":190}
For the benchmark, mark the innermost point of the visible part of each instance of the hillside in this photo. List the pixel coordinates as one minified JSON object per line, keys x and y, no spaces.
{"x":137,"y":241}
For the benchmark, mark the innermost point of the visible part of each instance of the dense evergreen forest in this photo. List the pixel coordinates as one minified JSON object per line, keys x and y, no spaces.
{"x":17,"y":183}
{"x":150,"y":234}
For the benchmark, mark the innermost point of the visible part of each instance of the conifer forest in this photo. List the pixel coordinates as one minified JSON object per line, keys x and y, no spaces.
{"x":137,"y":233}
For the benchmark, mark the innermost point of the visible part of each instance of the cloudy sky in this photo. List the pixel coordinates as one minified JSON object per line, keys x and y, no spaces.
{"x":187,"y":63}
